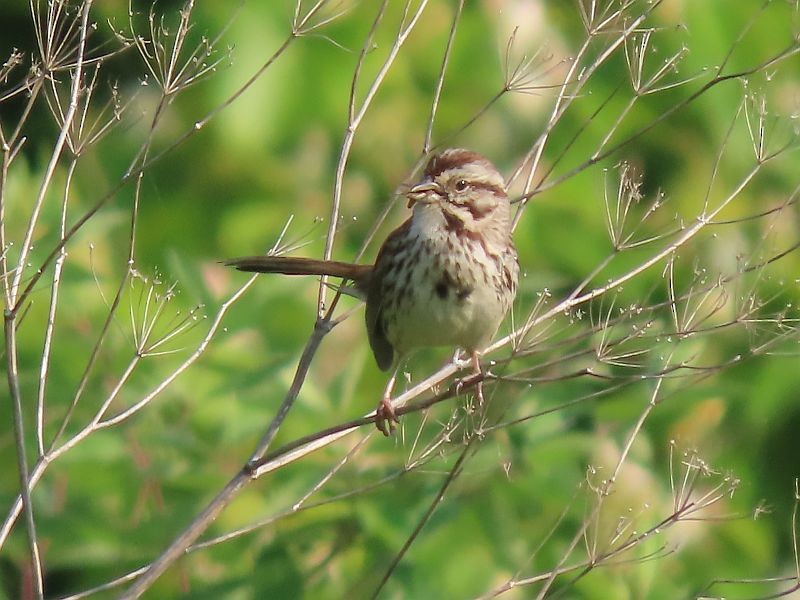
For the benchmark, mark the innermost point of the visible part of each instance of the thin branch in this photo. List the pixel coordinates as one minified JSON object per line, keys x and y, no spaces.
{"x":451,"y":477}
{"x":437,"y":93}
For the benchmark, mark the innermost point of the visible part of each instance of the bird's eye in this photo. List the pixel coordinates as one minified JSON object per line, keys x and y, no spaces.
{"x":461,"y":185}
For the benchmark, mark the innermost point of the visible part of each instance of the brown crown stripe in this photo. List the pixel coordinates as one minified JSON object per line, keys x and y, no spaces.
{"x":443,"y":162}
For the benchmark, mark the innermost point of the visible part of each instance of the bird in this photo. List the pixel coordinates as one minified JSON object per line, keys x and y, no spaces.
{"x":446,"y":277}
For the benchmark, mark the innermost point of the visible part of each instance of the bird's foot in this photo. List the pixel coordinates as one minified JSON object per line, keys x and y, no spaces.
{"x":385,"y":416}
{"x":477,"y":372}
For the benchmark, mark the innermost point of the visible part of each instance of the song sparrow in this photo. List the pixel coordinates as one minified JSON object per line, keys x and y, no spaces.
{"x":445,"y":277}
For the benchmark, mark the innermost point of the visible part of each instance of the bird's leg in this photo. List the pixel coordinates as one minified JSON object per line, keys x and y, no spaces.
{"x":475,"y":359}
{"x":385,"y":411}
{"x":475,"y":362}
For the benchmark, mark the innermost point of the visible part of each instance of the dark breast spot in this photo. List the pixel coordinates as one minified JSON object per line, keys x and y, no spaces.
{"x":446,"y":283}
{"x":463,"y":293}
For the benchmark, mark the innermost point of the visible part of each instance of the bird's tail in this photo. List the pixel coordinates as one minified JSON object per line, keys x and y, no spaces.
{"x":289,"y":265}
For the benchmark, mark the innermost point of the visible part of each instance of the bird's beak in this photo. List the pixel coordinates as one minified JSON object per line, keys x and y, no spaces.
{"x":422,"y":192}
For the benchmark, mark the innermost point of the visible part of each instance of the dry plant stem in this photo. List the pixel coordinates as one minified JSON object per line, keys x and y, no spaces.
{"x":297,"y":31}
{"x":302,"y":503}
{"x":22,"y":461}
{"x":34,"y":279}
{"x":381,"y":218}
{"x":255,"y":469}
{"x":599,"y":155}
{"x":683,"y":510}
{"x":564,"y":100}
{"x":451,"y":477}
{"x":29,"y":104}
{"x":513,"y":581}
{"x":142,"y":154}
{"x":343,"y":156}
{"x":355,"y":116}
{"x":200,"y":523}
{"x":178,"y":546}
{"x":4,"y":275}
{"x":112,"y":311}
{"x":437,"y":93}
{"x":45,"y":459}
{"x":782,"y":594}
{"x":795,"y":577}
{"x":300,"y":27}
{"x":791,"y":50}
{"x":56,"y":154}
{"x":687,"y":235}
{"x":10,"y":147}
{"x":748,"y":26}
{"x":608,"y":487}
{"x":10,"y":323}
{"x":198,"y":352}
{"x":529,"y":581}
{"x":320,"y":330}
{"x":110,"y":585}
{"x":51,"y":316}
{"x":352,"y":125}
{"x":97,"y":422}
{"x":588,"y":565}
{"x":534,"y":155}
{"x":635,"y":60}
{"x":299,"y":506}
{"x":304,"y":446}
{"x":587,"y":121}
{"x":100,"y":423}
{"x":794,"y":531}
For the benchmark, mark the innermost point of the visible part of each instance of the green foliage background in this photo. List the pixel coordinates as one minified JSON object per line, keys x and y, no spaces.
{"x":111,"y":504}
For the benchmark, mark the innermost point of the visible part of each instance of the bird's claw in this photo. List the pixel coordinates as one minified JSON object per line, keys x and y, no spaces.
{"x":385,"y":417}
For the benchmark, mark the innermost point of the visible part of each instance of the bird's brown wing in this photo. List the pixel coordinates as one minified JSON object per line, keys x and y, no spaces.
{"x":382,"y":289}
